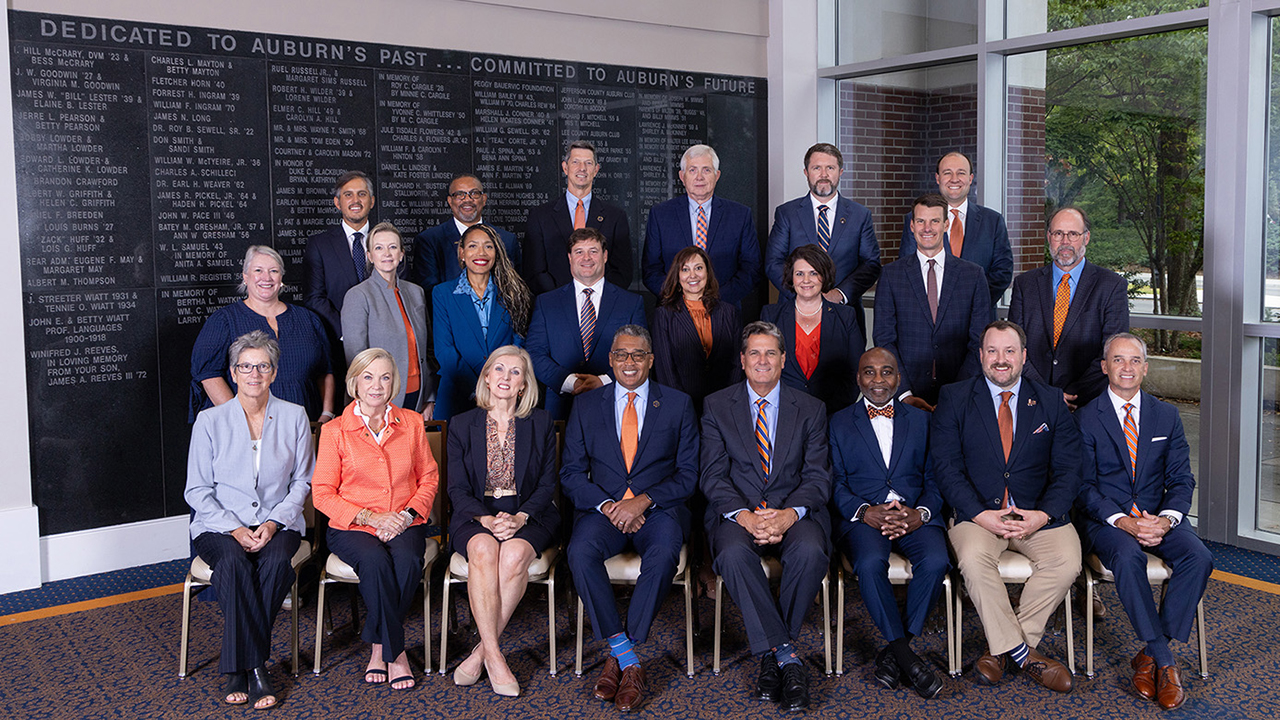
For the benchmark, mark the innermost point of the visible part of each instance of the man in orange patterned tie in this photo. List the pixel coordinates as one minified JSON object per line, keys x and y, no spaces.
{"x":630,"y":490}
{"x":1067,"y":309}
{"x":1136,"y":494}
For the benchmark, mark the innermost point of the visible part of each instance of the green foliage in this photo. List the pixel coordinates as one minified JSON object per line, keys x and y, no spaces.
{"x":1065,"y":14}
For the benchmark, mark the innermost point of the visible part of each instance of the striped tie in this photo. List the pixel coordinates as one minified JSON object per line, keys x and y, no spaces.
{"x":587,"y":323}
{"x":1131,"y":439}
{"x":1060,"y":306}
{"x":762,"y":437}
{"x":824,"y":229}
{"x":701,"y":238}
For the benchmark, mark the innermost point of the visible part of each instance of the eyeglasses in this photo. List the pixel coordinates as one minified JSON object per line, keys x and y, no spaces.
{"x":246,"y":368}
{"x":633,"y":356}
{"x":1072,"y":235}
{"x":464,"y":194}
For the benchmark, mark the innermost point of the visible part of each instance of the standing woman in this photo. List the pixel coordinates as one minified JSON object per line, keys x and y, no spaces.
{"x":695,"y":336}
{"x":303,"y":376}
{"x":248,"y":471}
{"x":376,"y":480}
{"x":485,"y":308}
{"x":823,"y":339}
{"x":387,"y":312}
{"x":502,"y":479}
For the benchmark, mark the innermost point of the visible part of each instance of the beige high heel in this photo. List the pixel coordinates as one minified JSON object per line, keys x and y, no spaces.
{"x":511,"y":689}
{"x":463,"y":678}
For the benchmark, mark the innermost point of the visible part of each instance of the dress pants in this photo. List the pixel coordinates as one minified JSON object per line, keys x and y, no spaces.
{"x":804,"y":556}
{"x":595,"y":540}
{"x":389,"y":573}
{"x":250,"y":589}
{"x":868,"y":553}
{"x":1186,"y":554}
{"x":1055,"y":561}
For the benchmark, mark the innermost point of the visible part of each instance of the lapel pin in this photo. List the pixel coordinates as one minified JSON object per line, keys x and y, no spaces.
{"x":841,"y":221}
{"x":656,"y":403}
{"x":599,"y":218}
{"x":1031,"y":402}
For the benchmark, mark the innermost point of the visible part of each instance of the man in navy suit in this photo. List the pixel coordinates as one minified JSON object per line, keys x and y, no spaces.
{"x":630,"y":489}
{"x":723,"y":228}
{"x":1136,"y":493}
{"x":840,"y":226}
{"x":1006,"y":454}
{"x":335,"y":260}
{"x":931,"y":308}
{"x":549,"y":226}
{"x":435,"y":250}
{"x":569,"y":322}
{"x":764,"y":472}
{"x":888,"y":501}
{"x":1067,"y":309}
{"x":974,"y":233}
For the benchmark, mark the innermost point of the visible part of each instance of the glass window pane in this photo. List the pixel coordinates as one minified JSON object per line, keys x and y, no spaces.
{"x":1028,"y":17}
{"x":1271,"y":247}
{"x":1175,"y":378}
{"x":875,"y":29}
{"x":892,"y":130}
{"x":1116,"y":128}
{"x":1268,"y":498}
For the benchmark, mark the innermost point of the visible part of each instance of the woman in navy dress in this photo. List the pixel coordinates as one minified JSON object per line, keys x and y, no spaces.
{"x":486,"y":307}
{"x":304,"y":376}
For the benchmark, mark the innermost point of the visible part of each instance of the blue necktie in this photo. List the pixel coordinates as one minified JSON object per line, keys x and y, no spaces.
{"x":357,"y":255}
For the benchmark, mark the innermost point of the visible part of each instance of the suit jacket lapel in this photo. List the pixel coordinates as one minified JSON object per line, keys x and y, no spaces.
{"x":1047,"y":297}
{"x":839,"y":221}
{"x":1088,"y":279}
{"x":862,"y":423}
{"x":684,"y":230}
{"x":985,"y":408}
{"x":1146,"y":431}
{"x":562,"y":218}
{"x":479,"y":449}
{"x":784,"y":427}
{"x":653,"y":416}
{"x":1029,"y":419}
{"x":715,"y":222}
{"x":972,"y":228}
{"x":809,"y":221}
{"x":899,"y":434}
{"x":524,"y":448}
{"x":1115,"y":431}
{"x":742,"y":421}
{"x":467,"y":311}
{"x":916,"y":281}
{"x":945,"y":293}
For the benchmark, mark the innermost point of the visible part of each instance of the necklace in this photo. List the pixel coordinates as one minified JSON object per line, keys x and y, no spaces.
{"x":808,"y":314}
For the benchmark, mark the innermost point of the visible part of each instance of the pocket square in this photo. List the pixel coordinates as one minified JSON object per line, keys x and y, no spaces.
{"x":1158,"y":439}
{"x":1043,"y":427}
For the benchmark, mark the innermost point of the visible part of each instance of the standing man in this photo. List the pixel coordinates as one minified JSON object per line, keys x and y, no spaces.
{"x":888,"y":501}
{"x":1136,"y":493}
{"x":722,"y":228}
{"x":568,"y":323}
{"x":1007,"y":457}
{"x":974,"y":233}
{"x":335,"y":260}
{"x":838,"y":225}
{"x":549,"y":226}
{"x":764,"y":472}
{"x":1067,"y":309}
{"x":630,"y":490}
{"x":435,"y":250}
{"x":931,"y":308}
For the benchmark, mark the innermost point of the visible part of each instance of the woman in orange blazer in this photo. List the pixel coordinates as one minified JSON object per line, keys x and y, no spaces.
{"x":376,"y":480}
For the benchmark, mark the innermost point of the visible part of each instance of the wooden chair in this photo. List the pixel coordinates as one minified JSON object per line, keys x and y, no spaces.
{"x":773,"y":571}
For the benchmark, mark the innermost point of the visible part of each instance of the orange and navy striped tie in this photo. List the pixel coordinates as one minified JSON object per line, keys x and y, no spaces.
{"x":824,"y":229}
{"x":587,"y":323}
{"x":762,"y":437}
{"x":1131,"y":439}
{"x":1061,"y":304}
{"x":701,"y":238}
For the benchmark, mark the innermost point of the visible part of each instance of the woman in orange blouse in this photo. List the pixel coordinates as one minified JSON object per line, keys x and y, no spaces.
{"x":823,"y":339}
{"x":376,"y":480}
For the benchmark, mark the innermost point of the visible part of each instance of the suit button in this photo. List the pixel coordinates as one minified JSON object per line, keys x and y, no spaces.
{"x":255,"y":504}
{"x":1055,"y":362}
{"x":1006,"y":475}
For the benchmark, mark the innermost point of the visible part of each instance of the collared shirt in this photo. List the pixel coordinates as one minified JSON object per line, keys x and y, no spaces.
{"x":883,"y":428}
{"x":995,"y":391}
{"x":578,"y":300}
{"x":572,"y":200}
{"x":938,"y":269}
{"x":964,"y":217}
{"x":463,"y":228}
{"x":831,"y":210}
{"x":1072,"y":283}
{"x":620,"y":406}
{"x":771,"y":427}
{"x":364,"y":234}
{"x":386,"y":421}
{"x":483,"y":305}
{"x":693,"y":217}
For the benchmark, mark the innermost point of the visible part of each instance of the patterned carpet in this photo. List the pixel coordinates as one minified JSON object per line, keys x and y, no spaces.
{"x":120,"y":662}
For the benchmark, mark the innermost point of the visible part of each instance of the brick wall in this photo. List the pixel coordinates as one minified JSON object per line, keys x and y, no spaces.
{"x":1025,"y":172}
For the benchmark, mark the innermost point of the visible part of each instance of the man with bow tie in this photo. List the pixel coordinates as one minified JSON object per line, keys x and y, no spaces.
{"x":1006,"y":453}
{"x":888,"y":501}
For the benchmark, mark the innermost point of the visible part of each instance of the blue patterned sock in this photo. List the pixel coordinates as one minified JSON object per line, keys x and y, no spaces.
{"x":785,"y":654}
{"x":1019,"y":654}
{"x":621,"y":648}
{"x":1160,"y":652}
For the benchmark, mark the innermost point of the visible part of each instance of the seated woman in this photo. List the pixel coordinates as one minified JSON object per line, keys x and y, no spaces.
{"x":387,"y":312}
{"x":502,"y":480}
{"x":248,"y":471}
{"x":823,"y":339}
{"x":485,"y":307}
{"x":376,"y":480}
{"x":695,"y":336}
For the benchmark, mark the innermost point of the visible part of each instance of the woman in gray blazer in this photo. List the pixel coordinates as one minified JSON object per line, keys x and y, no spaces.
{"x":248,"y":474}
{"x":387,"y":312}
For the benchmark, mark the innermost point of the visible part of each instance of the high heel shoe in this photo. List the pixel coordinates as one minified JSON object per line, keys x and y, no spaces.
{"x":464,"y":678}
{"x":511,"y":689}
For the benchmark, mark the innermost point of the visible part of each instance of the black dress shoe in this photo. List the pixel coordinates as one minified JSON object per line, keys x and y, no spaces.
{"x":769,"y":685}
{"x":795,"y":688}
{"x":886,"y":671}
{"x":926,"y":682}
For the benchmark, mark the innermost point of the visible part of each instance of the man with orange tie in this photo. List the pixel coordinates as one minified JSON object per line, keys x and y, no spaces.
{"x":630,"y":490}
{"x":1136,"y":494}
{"x":1067,"y":309}
{"x":1006,"y":455}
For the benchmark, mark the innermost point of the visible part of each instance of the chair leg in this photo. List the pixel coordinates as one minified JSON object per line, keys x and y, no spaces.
{"x":1071,"y":647}
{"x":1202,"y":641}
{"x":953,"y":666}
{"x":294,"y":637}
{"x":551,"y":617}
{"x":324,"y":580}
{"x":840,"y":621}
{"x":688,"y":621}
{"x":577,"y":663}
{"x":186,"y":627}
{"x":1088,"y":621}
{"x":426,"y":618}
{"x":826,"y":621}
{"x":444,"y":621}
{"x":715,"y":667}
{"x":959,"y":636}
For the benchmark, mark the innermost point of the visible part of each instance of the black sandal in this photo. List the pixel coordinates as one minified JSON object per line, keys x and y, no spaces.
{"x":237,"y":682}
{"x":260,"y":687}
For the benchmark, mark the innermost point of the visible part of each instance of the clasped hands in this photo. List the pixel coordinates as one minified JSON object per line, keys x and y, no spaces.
{"x":893,"y":519}
{"x":1012,"y":523}
{"x":627,"y":515}
{"x":767,"y":525}
{"x":388,"y":524}
{"x":254,"y":540}
{"x":1147,"y":528}
{"x":503,"y":525}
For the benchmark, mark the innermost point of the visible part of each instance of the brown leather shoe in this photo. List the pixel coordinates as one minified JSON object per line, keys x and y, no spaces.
{"x":1169,"y":688}
{"x":631,"y":689}
{"x":991,"y":668}
{"x":1048,"y":672}
{"x":607,"y":685}
{"x":1144,"y":675}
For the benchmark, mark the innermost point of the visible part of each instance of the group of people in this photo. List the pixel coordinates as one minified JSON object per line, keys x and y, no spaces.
{"x":956,"y":435}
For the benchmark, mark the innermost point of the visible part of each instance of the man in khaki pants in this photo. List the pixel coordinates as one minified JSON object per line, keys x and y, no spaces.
{"x":1006,"y":454}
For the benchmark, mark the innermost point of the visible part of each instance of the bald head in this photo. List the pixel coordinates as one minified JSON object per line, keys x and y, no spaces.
{"x":878,"y":375}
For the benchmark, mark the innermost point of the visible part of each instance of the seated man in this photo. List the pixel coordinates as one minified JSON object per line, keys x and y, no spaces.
{"x":633,"y":499}
{"x":764,"y":472}
{"x":887,"y":499}
{"x":1136,"y":493}
{"x":1006,"y":453}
